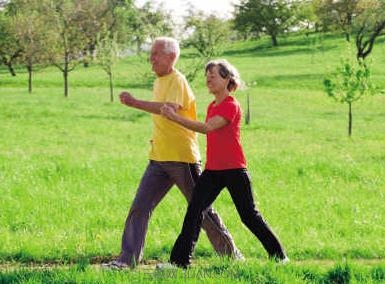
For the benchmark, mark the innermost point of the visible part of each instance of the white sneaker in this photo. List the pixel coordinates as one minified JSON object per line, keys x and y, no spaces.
{"x":165,"y":266}
{"x":285,"y":260}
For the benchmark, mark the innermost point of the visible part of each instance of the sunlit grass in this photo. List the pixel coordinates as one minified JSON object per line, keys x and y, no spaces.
{"x":69,"y":168}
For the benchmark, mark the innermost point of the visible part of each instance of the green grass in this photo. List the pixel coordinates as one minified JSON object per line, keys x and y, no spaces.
{"x":216,"y":272}
{"x":69,"y":169}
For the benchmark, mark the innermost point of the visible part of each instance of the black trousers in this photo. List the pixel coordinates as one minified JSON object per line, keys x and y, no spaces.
{"x":207,"y":189}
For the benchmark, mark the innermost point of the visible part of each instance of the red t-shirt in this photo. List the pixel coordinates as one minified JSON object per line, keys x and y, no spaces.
{"x":224,"y":149}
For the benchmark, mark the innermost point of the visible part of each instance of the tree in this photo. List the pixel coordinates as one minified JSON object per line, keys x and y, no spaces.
{"x":349,"y":83}
{"x":147,"y":22}
{"x":77,"y":23}
{"x":363,"y":19}
{"x":305,"y":16}
{"x":68,"y":43}
{"x":28,"y":27}
{"x":370,"y":25}
{"x":272,"y":17}
{"x":106,"y":55}
{"x":208,"y":36}
{"x":249,"y":87}
{"x":10,"y":47}
{"x":209,"y":33}
{"x":3,"y":3}
{"x":339,"y":14}
{"x":96,"y":17}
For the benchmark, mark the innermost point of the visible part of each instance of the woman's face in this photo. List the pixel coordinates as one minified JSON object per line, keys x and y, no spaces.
{"x":214,"y":82}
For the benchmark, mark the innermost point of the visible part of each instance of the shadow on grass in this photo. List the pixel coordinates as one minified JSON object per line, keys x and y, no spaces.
{"x":267,"y":51}
{"x":292,"y":81}
{"x":134,"y":117}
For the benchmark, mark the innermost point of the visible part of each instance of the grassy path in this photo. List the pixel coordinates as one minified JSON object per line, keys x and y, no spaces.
{"x":209,"y":271}
{"x":151,"y":264}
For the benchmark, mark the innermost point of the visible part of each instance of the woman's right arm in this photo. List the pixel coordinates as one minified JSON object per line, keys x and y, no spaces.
{"x":213,"y":123}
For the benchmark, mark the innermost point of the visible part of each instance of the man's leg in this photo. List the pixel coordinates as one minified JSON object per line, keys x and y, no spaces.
{"x":153,"y":187}
{"x":185,"y":177}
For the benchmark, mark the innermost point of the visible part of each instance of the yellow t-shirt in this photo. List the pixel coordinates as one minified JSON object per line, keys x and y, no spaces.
{"x":171,"y":141}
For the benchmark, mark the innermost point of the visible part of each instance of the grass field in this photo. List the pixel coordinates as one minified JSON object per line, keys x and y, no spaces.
{"x":69,"y":168}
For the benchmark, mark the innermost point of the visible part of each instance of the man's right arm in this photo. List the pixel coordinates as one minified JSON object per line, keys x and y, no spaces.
{"x":148,"y":106}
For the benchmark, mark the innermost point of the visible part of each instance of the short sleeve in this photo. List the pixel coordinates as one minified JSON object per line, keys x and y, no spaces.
{"x":228,"y":110}
{"x":180,"y":93}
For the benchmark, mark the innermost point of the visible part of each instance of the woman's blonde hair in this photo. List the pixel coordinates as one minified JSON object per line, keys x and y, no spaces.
{"x":226,"y":70}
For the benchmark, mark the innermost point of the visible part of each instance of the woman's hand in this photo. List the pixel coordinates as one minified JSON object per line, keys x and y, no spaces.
{"x":168,"y":111}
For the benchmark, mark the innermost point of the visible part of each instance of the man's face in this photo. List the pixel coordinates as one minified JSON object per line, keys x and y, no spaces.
{"x":162,"y":63}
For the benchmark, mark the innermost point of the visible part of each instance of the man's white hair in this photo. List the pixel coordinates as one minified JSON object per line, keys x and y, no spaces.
{"x":171,"y":45}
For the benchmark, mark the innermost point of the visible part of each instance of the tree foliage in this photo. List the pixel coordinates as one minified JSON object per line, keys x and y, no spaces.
{"x":271,"y":17}
{"x":33,"y":37}
{"x":305,"y":15}
{"x":363,"y":19}
{"x":10,"y":48}
{"x":107,"y":54}
{"x":69,"y":43}
{"x":3,"y":3}
{"x":338,"y":15}
{"x":208,"y":36}
{"x":77,"y":24}
{"x":208,"y":33}
{"x":370,"y":25}
{"x":349,"y":83}
{"x":147,"y":22}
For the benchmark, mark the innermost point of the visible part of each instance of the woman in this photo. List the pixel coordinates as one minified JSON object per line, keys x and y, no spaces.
{"x":225,"y":166}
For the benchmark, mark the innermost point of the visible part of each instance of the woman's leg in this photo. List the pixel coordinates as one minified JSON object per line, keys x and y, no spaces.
{"x":205,"y":192}
{"x":186,"y":176}
{"x":239,"y":185}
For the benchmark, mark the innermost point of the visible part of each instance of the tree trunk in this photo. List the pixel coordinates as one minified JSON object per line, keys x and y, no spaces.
{"x":10,"y":68}
{"x":364,"y":47}
{"x":274,"y":40}
{"x":29,"y":68}
{"x":247,"y":118}
{"x":8,"y":62}
{"x":138,"y":47}
{"x":111,"y":88}
{"x":65,"y":75}
{"x":350,"y":120}
{"x":347,"y":37}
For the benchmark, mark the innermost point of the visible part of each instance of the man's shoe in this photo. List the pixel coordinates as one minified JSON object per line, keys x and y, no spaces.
{"x":238,"y":256}
{"x":115,"y":264}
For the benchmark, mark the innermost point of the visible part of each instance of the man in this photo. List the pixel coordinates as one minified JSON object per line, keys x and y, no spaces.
{"x":174,"y":158}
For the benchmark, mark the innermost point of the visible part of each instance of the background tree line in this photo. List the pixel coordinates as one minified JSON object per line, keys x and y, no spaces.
{"x":66,"y":33}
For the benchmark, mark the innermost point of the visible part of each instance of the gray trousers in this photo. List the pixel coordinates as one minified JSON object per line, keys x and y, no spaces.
{"x":157,"y":180}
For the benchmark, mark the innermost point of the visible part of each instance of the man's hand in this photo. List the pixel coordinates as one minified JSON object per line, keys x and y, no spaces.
{"x":127,"y":99}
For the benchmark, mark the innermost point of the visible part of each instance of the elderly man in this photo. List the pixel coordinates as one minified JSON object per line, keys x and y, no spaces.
{"x":174,"y":158}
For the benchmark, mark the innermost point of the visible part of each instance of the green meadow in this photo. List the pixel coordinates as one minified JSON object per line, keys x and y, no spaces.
{"x":69,"y":169}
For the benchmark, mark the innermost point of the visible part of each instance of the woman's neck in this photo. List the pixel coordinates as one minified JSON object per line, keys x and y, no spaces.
{"x":220,"y":97}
